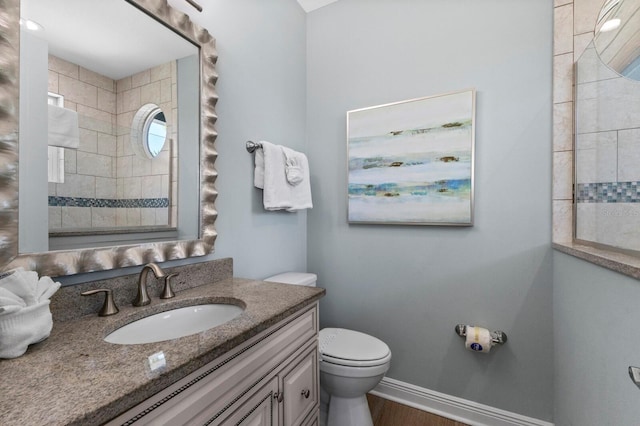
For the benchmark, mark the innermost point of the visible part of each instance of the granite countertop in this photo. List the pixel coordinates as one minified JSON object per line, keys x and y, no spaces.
{"x":75,"y":377}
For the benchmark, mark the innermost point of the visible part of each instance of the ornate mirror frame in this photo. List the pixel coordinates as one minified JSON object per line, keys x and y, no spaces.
{"x":69,"y":262}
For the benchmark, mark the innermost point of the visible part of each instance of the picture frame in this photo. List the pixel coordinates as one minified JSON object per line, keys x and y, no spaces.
{"x":412,"y":162}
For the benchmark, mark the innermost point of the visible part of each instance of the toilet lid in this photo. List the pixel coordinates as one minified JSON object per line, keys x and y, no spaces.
{"x":352,"y":348}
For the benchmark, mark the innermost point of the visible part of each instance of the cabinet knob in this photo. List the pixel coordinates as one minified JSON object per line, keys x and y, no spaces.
{"x":278,"y":396}
{"x":305,"y":393}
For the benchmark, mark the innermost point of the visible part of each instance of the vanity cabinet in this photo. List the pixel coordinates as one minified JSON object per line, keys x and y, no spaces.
{"x":271,"y":379}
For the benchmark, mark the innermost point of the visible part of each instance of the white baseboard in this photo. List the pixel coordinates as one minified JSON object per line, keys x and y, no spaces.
{"x":451,"y":407}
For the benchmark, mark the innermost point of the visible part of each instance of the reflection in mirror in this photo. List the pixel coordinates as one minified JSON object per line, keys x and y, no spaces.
{"x":102,"y":176}
{"x":98,"y":191}
{"x":149,"y":131}
{"x":617,"y":37}
{"x":155,"y":134}
{"x":607,"y":130}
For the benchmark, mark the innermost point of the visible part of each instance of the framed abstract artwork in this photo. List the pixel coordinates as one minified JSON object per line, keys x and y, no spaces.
{"x":412,"y":162}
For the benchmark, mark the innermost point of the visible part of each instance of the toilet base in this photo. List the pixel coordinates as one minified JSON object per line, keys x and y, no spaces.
{"x":349,"y":411}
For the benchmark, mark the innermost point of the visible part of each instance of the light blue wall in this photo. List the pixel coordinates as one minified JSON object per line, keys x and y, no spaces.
{"x":597,"y":338}
{"x":411,"y":285}
{"x":262,"y":97}
{"x":262,"y":92}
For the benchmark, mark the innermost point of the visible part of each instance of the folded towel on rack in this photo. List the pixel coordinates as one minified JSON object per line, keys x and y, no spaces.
{"x":63,"y":127}
{"x":283,"y":174}
{"x":297,"y":174}
{"x":293,"y":165}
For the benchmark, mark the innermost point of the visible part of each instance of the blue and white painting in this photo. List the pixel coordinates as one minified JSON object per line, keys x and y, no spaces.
{"x":411,"y":162}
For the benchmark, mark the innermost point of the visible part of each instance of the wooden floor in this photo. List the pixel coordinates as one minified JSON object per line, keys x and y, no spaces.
{"x":389,"y":413}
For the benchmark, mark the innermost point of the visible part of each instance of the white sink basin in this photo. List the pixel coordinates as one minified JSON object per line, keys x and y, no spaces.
{"x":175,"y":323}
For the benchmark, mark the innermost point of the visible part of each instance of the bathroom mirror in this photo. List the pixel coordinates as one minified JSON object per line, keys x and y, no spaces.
{"x":80,"y":253}
{"x":617,"y":38}
{"x":607,"y":129}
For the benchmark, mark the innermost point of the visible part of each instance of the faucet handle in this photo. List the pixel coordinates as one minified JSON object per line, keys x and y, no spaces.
{"x":109,"y":307}
{"x":167,"y":292}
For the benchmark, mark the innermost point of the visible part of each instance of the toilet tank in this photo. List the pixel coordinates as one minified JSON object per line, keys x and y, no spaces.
{"x":297,"y":278}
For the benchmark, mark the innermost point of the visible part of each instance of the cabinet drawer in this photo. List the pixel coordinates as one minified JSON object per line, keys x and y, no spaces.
{"x":300,"y":388}
{"x":218,"y":385}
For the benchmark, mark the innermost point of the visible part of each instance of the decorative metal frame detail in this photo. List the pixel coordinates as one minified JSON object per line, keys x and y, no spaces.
{"x":69,"y":262}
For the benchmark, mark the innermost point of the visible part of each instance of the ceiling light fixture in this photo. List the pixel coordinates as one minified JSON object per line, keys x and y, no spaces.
{"x":30,"y":25}
{"x":608,"y":7}
{"x":610,"y":25}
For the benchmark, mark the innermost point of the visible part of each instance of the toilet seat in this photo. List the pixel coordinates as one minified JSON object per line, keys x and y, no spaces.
{"x":351,"y":348}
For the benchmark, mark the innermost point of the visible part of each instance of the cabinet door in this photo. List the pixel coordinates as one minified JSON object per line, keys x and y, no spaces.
{"x":314,"y":420}
{"x":261,"y":409}
{"x":300,"y":388}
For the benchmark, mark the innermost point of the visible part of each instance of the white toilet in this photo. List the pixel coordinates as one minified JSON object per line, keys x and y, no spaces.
{"x":351,"y":364}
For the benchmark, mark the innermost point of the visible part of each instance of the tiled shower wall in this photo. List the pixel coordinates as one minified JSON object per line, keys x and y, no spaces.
{"x":90,"y":171}
{"x":106,"y":185}
{"x":139,"y":177}
{"x":574,"y":23}
{"x":609,"y":162}
{"x":607,"y":155}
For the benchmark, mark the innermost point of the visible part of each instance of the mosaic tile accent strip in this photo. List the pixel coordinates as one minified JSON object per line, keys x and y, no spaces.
{"x":107,"y":202}
{"x":608,"y":192}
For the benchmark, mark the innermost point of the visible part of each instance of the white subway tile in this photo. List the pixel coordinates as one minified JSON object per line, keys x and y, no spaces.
{"x":77,"y":186}
{"x":106,"y":188}
{"x":585,"y":15}
{"x":563,"y":78}
{"x":563,"y":29}
{"x":562,"y":221}
{"x":63,"y":67}
{"x":563,"y":126}
{"x":562,"y":175}
{"x":76,"y":217}
{"x":78,"y":91}
{"x":103,"y":217}
{"x":629,"y":155}
{"x":94,"y":164}
{"x":55,"y":217}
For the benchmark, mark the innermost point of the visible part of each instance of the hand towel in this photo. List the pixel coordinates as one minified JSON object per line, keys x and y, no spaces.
{"x":297,"y":174}
{"x":293,"y":166}
{"x":276,"y":192}
{"x":20,"y":329}
{"x":9,"y":302}
{"x":46,"y":287}
{"x":25,"y":317}
{"x":63,"y":127}
{"x":22,"y":284}
{"x":283,"y":174}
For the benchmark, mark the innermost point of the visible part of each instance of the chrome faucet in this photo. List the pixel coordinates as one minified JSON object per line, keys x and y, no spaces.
{"x":143,"y":297}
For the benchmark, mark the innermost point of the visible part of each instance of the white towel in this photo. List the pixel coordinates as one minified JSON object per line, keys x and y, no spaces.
{"x":22,"y":284}
{"x":46,"y":288}
{"x":283,"y":174}
{"x":9,"y":302}
{"x":19,"y":329}
{"x":63,"y":127}
{"x":25,"y":317}
{"x":297,"y":173}
{"x":293,"y":166}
